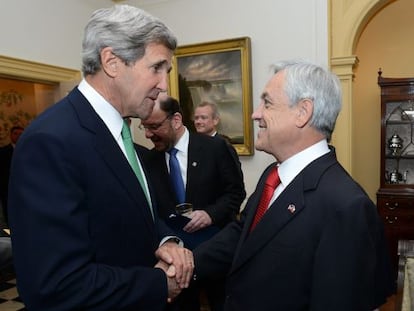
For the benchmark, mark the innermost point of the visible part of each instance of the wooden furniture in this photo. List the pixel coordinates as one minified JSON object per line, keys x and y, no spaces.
{"x":395,"y":197}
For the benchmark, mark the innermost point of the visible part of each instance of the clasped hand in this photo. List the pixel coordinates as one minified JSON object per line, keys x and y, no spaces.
{"x":178,"y":264}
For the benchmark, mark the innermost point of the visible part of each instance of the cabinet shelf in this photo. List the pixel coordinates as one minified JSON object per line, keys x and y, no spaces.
{"x":402,"y":157}
{"x":402,"y":122}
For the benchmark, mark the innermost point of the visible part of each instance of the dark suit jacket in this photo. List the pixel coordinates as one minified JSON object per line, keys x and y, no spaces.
{"x":214,"y":181}
{"x":328,"y":253}
{"x":233,"y":152}
{"x":83,"y":235}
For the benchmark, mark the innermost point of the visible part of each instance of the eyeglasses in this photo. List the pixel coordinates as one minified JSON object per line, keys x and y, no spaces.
{"x":152,"y":127}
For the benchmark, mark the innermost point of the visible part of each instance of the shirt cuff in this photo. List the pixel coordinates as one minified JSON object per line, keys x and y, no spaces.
{"x":173,"y":239}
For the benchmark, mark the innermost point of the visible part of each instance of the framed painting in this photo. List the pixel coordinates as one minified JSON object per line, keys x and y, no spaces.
{"x":220,"y":72}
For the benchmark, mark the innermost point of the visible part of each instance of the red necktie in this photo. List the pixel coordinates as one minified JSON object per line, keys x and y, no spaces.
{"x":271,"y":183}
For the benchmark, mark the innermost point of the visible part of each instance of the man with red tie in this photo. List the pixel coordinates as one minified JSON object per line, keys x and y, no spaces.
{"x":316,"y":242}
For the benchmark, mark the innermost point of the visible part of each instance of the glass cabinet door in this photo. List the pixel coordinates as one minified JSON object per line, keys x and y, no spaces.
{"x":399,"y":144}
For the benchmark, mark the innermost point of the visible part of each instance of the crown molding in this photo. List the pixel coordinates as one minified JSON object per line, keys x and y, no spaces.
{"x":33,"y":71}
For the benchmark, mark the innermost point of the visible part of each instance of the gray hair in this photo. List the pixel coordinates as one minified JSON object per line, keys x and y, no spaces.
{"x":305,"y":80}
{"x":128,"y":30}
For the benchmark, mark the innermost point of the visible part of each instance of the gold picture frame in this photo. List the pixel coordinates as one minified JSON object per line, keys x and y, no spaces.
{"x":218,"y":71}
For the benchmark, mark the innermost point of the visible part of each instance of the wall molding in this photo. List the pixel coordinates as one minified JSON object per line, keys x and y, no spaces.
{"x":347,"y":19}
{"x":33,"y":71}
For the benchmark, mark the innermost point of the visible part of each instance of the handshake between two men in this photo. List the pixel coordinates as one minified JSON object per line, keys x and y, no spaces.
{"x":178,"y":264}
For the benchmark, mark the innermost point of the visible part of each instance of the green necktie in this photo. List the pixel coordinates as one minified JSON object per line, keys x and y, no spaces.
{"x":132,"y":159}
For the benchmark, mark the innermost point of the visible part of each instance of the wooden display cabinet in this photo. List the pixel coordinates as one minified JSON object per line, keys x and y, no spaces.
{"x":395,"y":197}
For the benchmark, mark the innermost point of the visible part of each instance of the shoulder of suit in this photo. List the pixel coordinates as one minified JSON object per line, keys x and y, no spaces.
{"x":207,"y":141}
{"x":141,"y":148}
{"x":155,"y":154}
{"x":202,"y":138}
{"x":318,"y":168}
{"x":224,"y":137}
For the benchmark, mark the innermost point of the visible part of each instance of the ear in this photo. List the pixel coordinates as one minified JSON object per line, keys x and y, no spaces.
{"x":216,"y":121}
{"x":109,"y":62}
{"x":178,"y":120}
{"x":304,"y":110}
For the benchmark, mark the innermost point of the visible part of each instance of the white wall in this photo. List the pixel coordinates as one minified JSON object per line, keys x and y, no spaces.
{"x":50,"y":31}
{"x":45,"y":31}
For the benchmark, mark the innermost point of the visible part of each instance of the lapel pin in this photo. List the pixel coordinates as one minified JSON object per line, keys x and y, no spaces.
{"x":291,"y":208}
{"x":194,"y":164}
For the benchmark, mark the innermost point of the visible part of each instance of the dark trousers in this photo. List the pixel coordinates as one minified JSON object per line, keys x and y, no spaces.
{"x":189,"y":299}
{"x":3,"y":203}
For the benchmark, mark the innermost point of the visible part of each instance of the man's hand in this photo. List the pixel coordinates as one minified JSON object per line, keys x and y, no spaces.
{"x":199,"y":219}
{"x":180,"y":258}
{"x":173,"y":287}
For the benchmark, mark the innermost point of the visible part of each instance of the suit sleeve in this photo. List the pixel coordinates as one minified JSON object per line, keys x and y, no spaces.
{"x":213,"y":258}
{"x":351,"y":269}
{"x":227,"y":203}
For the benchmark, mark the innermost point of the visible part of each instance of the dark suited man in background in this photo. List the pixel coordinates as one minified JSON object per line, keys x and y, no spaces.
{"x":309,"y":237}
{"x":6,"y":154}
{"x":206,"y":120}
{"x":84,"y":226}
{"x":211,"y":178}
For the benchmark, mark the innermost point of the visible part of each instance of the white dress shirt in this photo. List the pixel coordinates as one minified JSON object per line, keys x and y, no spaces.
{"x":291,"y":167}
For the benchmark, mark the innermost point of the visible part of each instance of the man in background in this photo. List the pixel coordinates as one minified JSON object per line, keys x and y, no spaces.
{"x":211,"y":180}
{"x":309,"y":237}
{"x":85,"y":232}
{"x":206,"y":120}
{"x":6,"y":154}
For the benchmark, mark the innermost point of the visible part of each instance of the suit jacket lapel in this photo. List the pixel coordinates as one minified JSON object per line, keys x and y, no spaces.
{"x":286,"y":207}
{"x":159,"y":169}
{"x":195,"y":153}
{"x":275,"y":219}
{"x":107,"y":147}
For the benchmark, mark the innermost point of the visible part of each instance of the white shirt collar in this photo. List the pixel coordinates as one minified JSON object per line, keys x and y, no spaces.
{"x":111,"y":117}
{"x":291,"y":167}
{"x":182,"y":143}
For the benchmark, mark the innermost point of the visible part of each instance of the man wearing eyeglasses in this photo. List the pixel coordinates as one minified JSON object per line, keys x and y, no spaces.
{"x":211,"y":178}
